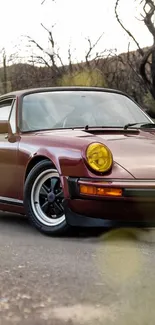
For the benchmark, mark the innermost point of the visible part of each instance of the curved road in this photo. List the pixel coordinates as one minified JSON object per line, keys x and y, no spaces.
{"x":84,"y":279}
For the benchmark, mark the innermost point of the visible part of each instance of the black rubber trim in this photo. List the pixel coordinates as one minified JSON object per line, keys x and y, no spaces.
{"x":73,"y":187}
{"x":139,"y":192}
{"x":77,"y":220}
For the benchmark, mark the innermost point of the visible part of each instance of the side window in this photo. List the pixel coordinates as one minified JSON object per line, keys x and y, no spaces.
{"x":5,"y":109}
{"x":12,"y":118}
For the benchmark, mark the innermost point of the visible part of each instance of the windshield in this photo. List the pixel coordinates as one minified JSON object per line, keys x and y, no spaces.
{"x":70,"y":109}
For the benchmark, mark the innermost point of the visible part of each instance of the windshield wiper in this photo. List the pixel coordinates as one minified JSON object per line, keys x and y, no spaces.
{"x":142,"y":125}
{"x":87,"y":127}
{"x":126,"y":126}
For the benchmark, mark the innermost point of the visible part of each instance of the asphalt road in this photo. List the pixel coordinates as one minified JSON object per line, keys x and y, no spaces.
{"x":83,"y":279}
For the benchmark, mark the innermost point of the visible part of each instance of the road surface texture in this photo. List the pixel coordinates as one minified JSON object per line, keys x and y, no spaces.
{"x":86,"y":279}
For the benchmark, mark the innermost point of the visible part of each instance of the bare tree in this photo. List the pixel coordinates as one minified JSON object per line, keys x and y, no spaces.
{"x":147,"y":58}
{"x":4,"y":71}
{"x":50,"y":58}
{"x":4,"y":75}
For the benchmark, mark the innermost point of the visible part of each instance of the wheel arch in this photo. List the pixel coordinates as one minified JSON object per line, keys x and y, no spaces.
{"x":34,"y":161}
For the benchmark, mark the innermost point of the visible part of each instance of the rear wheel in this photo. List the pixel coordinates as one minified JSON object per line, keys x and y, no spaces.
{"x":44,"y":199}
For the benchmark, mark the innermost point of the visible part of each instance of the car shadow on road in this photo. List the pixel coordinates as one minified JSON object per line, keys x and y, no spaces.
{"x":17,"y":223}
{"x":14,"y":222}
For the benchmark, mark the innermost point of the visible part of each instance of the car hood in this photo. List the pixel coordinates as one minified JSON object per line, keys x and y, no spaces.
{"x":135,"y":153}
{"x":133,"y":150}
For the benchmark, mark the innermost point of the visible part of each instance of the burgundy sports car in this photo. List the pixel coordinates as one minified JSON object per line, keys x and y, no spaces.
{"x":76,"y":156}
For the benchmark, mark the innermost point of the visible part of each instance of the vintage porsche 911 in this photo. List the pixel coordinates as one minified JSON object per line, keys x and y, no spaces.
{"x":76,"y":156}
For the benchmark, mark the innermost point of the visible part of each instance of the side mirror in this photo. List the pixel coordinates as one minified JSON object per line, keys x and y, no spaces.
{"x":4,"y":127}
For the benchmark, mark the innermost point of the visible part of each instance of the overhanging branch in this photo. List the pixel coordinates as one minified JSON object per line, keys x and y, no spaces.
{"x":126,"y":30}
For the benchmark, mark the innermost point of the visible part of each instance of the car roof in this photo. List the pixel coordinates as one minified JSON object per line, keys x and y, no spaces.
{"x":19,"y":93}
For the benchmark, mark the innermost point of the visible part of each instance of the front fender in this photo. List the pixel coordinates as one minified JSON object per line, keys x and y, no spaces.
{"x":69,"y":162}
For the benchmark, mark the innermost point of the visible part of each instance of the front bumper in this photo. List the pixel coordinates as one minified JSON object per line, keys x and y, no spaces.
{"x":136,"y":205}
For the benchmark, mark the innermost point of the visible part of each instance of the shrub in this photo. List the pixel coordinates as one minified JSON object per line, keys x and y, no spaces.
{"x":86,"y":77}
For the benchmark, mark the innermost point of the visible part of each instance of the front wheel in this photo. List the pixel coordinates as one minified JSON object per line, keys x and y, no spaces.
{"x":44,"y":199}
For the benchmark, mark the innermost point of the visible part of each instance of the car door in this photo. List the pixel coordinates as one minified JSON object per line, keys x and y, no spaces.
{"x":8,"y":153}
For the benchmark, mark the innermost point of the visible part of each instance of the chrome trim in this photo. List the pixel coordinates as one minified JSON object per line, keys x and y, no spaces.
{"x":8,"y":200}
{"x":117,"y":180}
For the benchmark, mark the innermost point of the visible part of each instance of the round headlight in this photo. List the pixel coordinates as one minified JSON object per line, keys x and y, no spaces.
{"x":99,"y":157}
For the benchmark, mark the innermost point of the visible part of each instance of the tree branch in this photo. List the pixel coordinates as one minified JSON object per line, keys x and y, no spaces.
{"x":34,"y":42}
{"x":60,"y":59}
{"x":131,"y":64}
{"x":51,"y":40}
{"x":50,"y":55}
{"x":91,"y":47}
{"x":126,"y":30}
{"x":43,"y":1}
{"x":41,"y":59}
{"x":148,"y":16}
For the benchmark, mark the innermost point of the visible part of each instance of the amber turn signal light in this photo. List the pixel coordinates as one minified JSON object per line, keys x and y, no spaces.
{"x":100,"y":191}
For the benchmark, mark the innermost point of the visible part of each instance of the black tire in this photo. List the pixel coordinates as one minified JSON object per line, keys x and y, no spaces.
{"x":30,"y":206}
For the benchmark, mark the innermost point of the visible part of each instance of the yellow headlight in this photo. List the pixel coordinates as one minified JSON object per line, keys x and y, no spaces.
{"x":99,"y":157}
